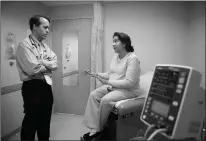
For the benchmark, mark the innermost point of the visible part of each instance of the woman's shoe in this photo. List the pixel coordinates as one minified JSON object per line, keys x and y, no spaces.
{"x":87,"y":137}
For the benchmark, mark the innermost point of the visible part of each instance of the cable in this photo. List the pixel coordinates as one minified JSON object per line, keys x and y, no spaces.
{"x":202,"y":133}
{"x":148,"y":129}
{"x":141,"y":138}
{"x":156,"y":132}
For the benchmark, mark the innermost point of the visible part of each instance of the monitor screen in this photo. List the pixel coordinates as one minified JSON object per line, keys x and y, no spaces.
{"x":160,"y":108}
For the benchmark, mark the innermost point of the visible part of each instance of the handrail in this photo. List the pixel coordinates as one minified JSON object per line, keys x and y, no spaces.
{"x":17,"y":87}
{"x":70,"y":73}
{"x":11,"y":88}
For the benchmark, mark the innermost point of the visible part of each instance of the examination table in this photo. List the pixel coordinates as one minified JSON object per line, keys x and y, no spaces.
{"x":124,"y":120}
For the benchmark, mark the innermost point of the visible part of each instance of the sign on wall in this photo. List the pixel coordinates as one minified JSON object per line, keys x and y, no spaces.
{"x":10,"y":46}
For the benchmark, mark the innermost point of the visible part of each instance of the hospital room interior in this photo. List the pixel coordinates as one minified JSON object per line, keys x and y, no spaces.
{"x":164,"y":34}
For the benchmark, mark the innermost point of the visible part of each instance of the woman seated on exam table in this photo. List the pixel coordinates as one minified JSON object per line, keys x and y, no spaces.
{"x":121,"y":82}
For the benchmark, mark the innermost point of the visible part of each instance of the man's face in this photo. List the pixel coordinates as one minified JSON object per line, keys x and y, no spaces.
{"x":43,"y":29}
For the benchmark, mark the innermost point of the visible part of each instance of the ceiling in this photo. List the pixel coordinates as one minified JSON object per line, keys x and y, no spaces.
{"x":73,"y":2}
{"x":63,"y":3}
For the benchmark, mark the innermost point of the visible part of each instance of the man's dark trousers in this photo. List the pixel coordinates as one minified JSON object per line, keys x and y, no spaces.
{"x":38,"y":100}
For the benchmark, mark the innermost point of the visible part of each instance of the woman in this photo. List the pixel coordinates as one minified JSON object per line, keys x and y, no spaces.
{"x":121,"y":82}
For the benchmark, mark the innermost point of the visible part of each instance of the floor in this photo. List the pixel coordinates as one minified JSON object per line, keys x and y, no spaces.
{"x":64,"y":127}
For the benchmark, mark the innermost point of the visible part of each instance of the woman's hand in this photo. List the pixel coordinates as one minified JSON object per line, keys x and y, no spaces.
{"x":103,"y":81}
{"x":90,"y":74}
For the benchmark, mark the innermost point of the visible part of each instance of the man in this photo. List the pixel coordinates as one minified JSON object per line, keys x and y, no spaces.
{"x":35,"y":63}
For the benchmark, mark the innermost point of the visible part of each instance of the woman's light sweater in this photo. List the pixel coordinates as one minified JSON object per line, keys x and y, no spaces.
{"x":124,"y":73}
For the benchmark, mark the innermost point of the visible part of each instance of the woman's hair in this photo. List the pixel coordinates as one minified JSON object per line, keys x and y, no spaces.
{"x":125,"y":39}
{"x":35,"y":20}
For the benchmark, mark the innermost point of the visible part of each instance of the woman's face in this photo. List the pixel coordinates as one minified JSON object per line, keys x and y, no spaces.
{"x":118,"y":45}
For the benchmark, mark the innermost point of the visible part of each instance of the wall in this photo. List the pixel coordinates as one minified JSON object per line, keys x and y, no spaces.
{"x":70,"y":12}
{"x":158,"y":31}
{"x":161,"y":32}
{"x":195,"y":49}
{"x":14,"y":17}
{"x":74,"y":11}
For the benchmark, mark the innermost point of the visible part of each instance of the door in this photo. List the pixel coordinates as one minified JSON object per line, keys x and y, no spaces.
{"x":71,"y":41}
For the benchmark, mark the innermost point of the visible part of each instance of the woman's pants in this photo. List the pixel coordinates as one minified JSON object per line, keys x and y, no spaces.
{"x":99,"y":105}
{"x":38,"y":101}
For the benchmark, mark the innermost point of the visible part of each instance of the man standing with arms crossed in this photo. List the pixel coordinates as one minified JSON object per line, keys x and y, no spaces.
{"x":35,"y":63}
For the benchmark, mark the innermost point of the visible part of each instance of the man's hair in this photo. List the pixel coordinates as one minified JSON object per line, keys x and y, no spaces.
{"x":35,"y":20}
